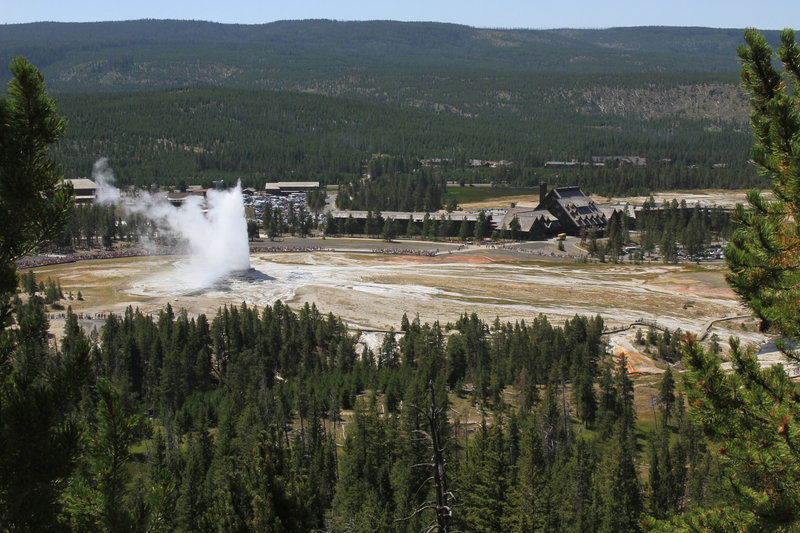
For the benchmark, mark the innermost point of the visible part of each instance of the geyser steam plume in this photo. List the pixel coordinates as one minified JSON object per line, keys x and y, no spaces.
{"x":216,"y":241}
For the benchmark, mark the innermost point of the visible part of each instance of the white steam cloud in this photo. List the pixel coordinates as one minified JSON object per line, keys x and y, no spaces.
{"x":216,"y":240}
{"x":103,"y":176}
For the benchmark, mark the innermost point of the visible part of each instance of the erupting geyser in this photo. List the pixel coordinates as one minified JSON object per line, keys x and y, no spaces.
{"x":216,"y":241}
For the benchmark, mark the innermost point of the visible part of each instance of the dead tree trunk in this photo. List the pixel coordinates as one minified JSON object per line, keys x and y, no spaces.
{"x":435,"y":415}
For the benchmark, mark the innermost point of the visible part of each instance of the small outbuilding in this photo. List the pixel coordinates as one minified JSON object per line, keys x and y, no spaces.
{"x":85,"y":190}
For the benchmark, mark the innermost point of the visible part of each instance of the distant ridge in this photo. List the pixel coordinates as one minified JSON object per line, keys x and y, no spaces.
{"x":62,"y":50}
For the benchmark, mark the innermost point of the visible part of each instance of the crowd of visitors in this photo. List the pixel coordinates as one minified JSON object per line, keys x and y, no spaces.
{"x":72,"y":257}
{"x":405,"y":251}
{"x":59,"y":258}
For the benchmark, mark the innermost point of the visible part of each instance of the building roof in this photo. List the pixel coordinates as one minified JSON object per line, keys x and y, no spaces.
{"x":82,"y":184}
{"x":527,"y":217}
{"x":178,"y":197}
{"x":633,"y":160}
{"x":85,"y":190}
{"x":581,"y":210}
{"x":609,"y":210}
{"x":405,"y":215}
{"x":279,"y":185}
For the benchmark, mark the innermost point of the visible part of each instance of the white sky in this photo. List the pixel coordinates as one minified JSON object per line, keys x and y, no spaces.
{"x":535,"y":14}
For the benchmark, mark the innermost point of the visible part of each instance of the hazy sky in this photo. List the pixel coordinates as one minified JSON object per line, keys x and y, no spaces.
{"x":766,"y":14}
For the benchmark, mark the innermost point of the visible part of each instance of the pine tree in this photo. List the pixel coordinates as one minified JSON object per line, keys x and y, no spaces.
{"x":411,"y":228}
{"x":388,"y":233}
{"x":97,"y":501}
{"x":584,"y":397}
{"x":39,"y":430}
{"x":363,"y":492}
{"x":666,"y":395}
{"x":667,"y":473}
{"x":764,"y":253}
{"x":515,"y":228}
{"x":618,"y":498}
{"x":526,"y":496}
{"x":32,"y":204}
{"x":482,"y":227}
{"x":427,"y":428}
{"x":753,"y":411}
{"x":194,"y":500}
{"x":484,"y":486}
{"x":463,"y":230}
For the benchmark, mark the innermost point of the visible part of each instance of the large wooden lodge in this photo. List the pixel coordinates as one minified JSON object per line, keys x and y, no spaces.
{"x":562,"y":210}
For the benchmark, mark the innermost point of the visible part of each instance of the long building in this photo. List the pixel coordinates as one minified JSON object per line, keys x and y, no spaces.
{"x":406,"y":215}
{"x":283,"y":188}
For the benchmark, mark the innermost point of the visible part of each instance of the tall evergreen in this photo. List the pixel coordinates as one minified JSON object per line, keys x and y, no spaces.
{"x":764,"y":252}
{"x":751,"y":411}
{"x":363,"y":493}
{"x":485,"y":481}
{"x":39,"y":428}
{"x":617,"y":500}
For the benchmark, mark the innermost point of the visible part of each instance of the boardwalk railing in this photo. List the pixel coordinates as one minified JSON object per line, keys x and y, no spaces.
{"x":652,"y":323}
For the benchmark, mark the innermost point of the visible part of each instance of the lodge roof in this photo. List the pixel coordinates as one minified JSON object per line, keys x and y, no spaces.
{"x":576,"y":209}
{"x":527,"y":217}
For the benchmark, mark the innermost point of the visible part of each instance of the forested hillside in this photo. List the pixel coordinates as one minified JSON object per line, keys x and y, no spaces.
{"x":268,"y":420}
{"x":171,"y":100}
{"x":206,"y":133}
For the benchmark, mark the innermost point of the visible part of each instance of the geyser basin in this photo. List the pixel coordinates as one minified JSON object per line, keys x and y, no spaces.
{"x":373,"y":291}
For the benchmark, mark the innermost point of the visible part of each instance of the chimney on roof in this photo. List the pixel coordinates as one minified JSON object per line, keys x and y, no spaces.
{"x":542,"y":192}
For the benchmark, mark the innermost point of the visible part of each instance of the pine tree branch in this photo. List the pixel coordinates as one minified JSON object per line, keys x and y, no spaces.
{"x":422,"y":507}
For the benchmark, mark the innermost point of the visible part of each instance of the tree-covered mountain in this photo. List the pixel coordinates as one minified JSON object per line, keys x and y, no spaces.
{"x":318,"y":99}
{"x":71,"y":54}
